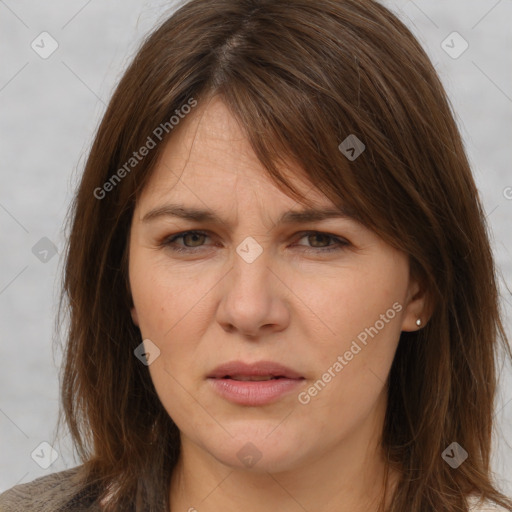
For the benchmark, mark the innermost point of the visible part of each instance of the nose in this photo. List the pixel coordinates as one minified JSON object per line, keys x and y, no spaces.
{"x":254,"y":300}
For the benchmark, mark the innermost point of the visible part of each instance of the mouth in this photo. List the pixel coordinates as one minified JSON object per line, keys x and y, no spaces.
{"x":249,"y":378}
{"x":259,"y":371}
{"x":254,"y":384}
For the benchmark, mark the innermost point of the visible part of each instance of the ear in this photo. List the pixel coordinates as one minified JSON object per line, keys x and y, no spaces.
{"x":418,"y":306}
{"x":135,"y":317}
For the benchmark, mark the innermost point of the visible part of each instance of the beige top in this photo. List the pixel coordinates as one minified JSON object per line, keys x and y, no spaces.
{"x":51,"y":493}
{"x":60,"y":492}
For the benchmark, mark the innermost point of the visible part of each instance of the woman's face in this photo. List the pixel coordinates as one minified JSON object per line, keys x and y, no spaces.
{"x":322,"y":312}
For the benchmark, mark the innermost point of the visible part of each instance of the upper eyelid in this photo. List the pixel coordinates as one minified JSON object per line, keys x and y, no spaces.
{"x":299,"y":234}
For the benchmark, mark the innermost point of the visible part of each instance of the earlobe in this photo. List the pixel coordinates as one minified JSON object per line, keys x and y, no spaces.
{"x":414,"y":318}
{"x":417,"y":311}
{"x":135,"y":317}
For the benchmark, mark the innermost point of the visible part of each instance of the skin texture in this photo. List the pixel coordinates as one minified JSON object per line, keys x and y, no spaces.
{"x":294,"y":304}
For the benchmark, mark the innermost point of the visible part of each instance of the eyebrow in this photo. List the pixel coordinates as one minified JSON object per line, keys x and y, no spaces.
{"x":204,"y":215}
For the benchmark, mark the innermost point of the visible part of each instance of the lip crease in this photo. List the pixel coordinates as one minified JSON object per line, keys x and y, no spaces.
{"x":224,"y":381}
{"x":257,"y":369}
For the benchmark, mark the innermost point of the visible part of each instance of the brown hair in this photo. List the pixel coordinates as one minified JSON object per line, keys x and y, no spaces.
{"x":300,"y":76}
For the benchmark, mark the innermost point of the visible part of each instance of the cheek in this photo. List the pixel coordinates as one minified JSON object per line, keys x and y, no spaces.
{"x":173,"y":312}
{"x":361,"y":317}
{"x":165,"y":297}
{"x":357,"y":301}
{"x":170,"y":305}
{"x":351,"y":374}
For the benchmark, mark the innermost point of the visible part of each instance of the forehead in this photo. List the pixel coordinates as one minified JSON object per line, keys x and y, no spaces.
{"x":209,"y":158}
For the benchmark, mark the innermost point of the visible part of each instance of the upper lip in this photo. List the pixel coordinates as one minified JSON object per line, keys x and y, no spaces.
{"x":258,"y":369}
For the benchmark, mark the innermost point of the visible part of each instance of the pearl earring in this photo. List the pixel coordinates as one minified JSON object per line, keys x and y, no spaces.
{"x":418,"y":322}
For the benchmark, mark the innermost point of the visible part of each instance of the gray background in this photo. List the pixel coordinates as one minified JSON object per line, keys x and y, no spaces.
{"x":50,"y":109}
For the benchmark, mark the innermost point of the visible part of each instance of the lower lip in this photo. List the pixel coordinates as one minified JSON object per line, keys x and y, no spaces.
{"x":254,"y":392}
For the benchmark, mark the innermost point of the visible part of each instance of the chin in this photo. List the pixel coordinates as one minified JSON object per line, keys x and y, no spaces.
{"x":259,"y":450}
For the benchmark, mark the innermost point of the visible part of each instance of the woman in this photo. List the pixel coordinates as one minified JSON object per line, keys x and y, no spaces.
{"x":281,"y":290}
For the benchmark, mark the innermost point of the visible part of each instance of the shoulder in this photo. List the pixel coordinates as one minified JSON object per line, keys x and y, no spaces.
{"x":50,"y":493}
{"x":476,"y":505}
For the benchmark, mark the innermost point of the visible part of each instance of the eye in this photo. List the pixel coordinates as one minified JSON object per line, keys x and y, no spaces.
{"x":193,"y":240}
{"x":316,"y":237}
{"x":188,"y":237}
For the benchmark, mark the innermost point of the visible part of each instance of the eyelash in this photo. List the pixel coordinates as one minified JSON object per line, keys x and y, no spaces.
{"x":338,"y":246}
